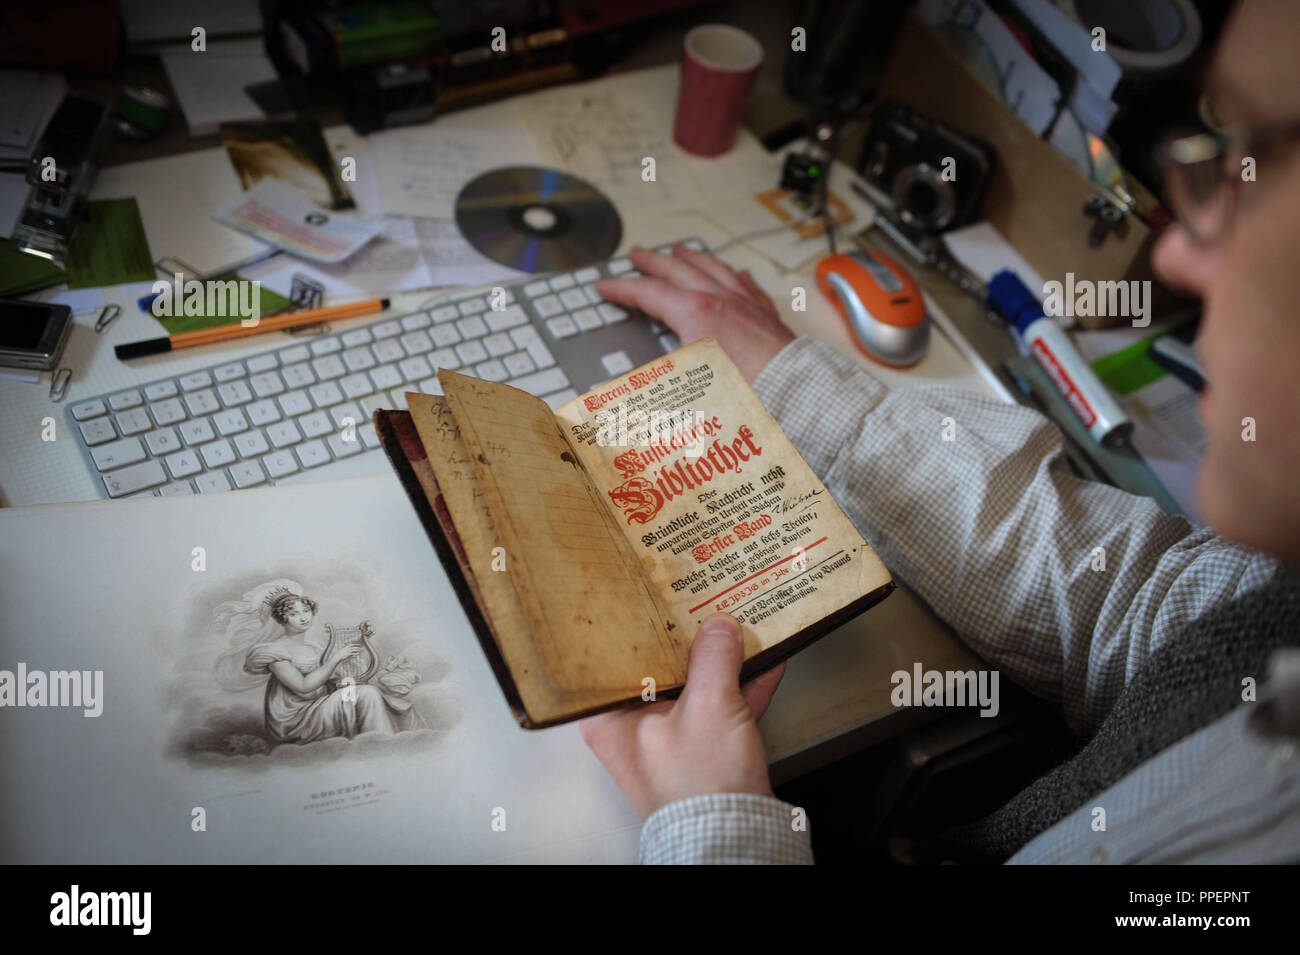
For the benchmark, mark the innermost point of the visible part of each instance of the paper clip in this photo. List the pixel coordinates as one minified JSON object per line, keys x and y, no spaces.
{"x":59,"y":383}
{"x":106,"y":316}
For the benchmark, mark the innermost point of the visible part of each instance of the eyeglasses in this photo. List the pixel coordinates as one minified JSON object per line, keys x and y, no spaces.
{"x":1204,"y":171}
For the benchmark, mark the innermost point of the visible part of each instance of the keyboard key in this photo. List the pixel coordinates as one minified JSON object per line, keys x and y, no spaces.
{"x":611,"y":313}
{"x":214,"y":482}
{"x":368,"y":435}
{"x":315,"y":424}
{"x":472,"y":327}
{"x":98,"y":431}
{"x":444,"y":358}
{"x":616,"y":363}
{"x":414,"y":368}
{"x":355,"y":337}
{"x":397,"y":399}
{"x":251,"y":443}
{"x":174,"y":489}
{"x":471,"y":352}
{"x":444,"y":335}
{"x":358,"y":359}
{"x":472,"y":306}
{"x":325,"y":346}
{"x":195,"y":381}
{"x":159,"y":390}
{"x":561,"y":281}
{"x":163,"y":441}
{"x":117,"y":453}
{"x":498,"y":345}
{"x":262,"y":363}
{"x":294,"y":403}
{"x":354,"y":386}
{"x":542,"y":382}
{"x":341,"y":447}
{"x":325,"y":394}
{"x":347,"y":414}
{"x":372,"y":403}
{"x":587,"y":319}
{"x":386,"y":376}
{"x":168,"y":411}
{"x":262,"y":412}
{"x":283,"y":434}
{"x":124,"y":400}
{"x":573,"y":298}
{"x":313,"y":453}
{"x":619,"y":266}
{"x":388,"y":351}
{"x":234,"y":393}
{"x":386,"y":329}
{"x":416,"y":342}
{"x":583,"y":276}
{"x":229,"y":372}
{"x":247,"y":473}
{"x":128,"y":480}
{"x":294,"y":355}
{"x":562,"y":326}
{"x":508,"y":318}
{"x":417,"y":321}
{"x":670,"y":341}
{"x":266,"y":384}
{"x":183,"y":463}
{"x":88,"y":409}
{"x":519,"y":364}
{"x":202,"y":402}
{"x":231,"y":421}
{"x":217,"y":454}
{"x":547,"y":306}
{"x":328,"y":367}
{"x":534,"y":289}
{"x":198,"y":431}
{"x":695,"y":244}
{"x":560,"y":397}
{"x":431,"y":386}
{"x":491,"y":370}
{"x":529,"y":338}
{"x":298,"y":376}
{"x":134,"y":421}
{"x":594,"y":297}
{"x":445,"y":314}
{"x":280,"y":463}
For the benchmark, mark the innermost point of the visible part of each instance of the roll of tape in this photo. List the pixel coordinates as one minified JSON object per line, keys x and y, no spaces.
{"x":1142,"y":36}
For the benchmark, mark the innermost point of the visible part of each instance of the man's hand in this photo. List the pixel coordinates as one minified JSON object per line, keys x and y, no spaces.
{"x":705,"y":741}
{"x":698,"y":296}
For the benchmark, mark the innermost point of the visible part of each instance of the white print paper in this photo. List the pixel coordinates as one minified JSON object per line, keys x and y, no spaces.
{"x":282,"y":216}
{"x":422,"y":170}
{"x":451,"y":260}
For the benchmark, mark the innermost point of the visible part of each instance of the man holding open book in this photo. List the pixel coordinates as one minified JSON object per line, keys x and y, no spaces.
{"x":1149,"y":658}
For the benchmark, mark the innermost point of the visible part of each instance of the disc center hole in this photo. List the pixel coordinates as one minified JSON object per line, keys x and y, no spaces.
{"x":540,"y":218}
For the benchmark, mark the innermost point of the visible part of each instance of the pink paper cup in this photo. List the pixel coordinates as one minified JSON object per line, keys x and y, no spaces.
{"x":718,"y":69}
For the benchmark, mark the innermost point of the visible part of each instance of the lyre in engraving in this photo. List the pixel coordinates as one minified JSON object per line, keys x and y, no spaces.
{"x":355,"y":669}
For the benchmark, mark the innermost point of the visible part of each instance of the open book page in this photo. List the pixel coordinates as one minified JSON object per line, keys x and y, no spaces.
{"x":597,"y":626}
{"x":716,"y":501}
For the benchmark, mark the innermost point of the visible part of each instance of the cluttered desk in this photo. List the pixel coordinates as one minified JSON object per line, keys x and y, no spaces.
{"x":224,"y":330}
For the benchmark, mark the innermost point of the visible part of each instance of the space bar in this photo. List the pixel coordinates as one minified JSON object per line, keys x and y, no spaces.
{"x":542,"y":382}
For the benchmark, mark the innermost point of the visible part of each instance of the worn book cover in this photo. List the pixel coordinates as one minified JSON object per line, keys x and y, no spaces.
{"x":587,"y":543}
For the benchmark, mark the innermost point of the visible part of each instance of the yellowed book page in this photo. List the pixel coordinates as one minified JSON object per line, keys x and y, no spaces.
{"x":598,"y":627}
{"x":716,"y":501}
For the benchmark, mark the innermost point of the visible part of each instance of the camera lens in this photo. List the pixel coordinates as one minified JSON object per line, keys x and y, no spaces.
{"x":923,"y":199}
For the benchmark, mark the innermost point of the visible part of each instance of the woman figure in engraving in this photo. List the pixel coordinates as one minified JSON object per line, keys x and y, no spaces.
{"x":300,"y":707}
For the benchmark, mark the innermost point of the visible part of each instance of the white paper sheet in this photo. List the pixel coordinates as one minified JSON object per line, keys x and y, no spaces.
{"x":124,"y":786}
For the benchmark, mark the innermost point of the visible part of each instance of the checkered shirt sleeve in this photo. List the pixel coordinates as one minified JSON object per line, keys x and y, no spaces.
{"x":1066,"y":584}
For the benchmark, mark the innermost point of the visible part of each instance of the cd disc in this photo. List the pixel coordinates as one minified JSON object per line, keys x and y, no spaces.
{"x":538,"y":220}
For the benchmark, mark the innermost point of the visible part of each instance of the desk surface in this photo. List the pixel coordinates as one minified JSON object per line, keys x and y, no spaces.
{"x":835,"y":696}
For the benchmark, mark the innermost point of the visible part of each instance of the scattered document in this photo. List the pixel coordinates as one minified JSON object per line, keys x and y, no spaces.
{"x":422,"y":170}
{"x":285,"y":218}
{"x":453,"y":261}
{"x":209,"y":85}
{"x":110,"y":246}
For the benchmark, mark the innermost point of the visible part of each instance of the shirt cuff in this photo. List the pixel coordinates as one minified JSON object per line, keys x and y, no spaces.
{"x":726,"y":829}
{"x":804,"y":388}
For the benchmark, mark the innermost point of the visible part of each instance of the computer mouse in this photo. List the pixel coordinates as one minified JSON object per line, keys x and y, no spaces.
{"x":881,"y":303}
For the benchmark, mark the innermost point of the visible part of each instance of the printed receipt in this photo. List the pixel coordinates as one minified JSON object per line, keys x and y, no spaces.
{"x":714,"y":498}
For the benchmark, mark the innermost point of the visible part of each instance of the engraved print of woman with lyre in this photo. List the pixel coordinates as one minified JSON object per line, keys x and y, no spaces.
{"x":313,"y":691}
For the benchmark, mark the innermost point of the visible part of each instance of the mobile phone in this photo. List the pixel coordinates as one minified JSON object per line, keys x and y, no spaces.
{"x":32,"y":334}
